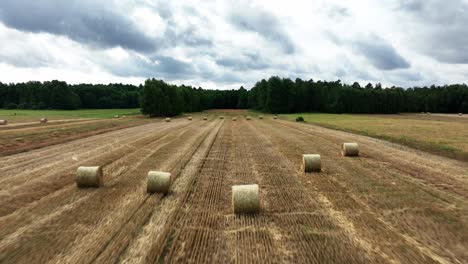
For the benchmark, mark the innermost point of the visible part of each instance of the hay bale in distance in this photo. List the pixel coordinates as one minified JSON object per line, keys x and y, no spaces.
{"x":168,"y":119}
{"x":190,"y":118}
{"x":158,"y":182}
{"x":248,"y":117}
{"x":428,"y":113}
{"x":116,"y":116}
{"x":89,"y":177}
{"x":43,"y":120}
{"x":3,"y":122}
{"x":205,"y":118}
{"x":221,"y":117}
{"x":350,"y":149}
{"x":234,"y":119}
{"x":260,"y":117}
{"x":245,"y":199}
{"x":311,"y":162}
{"x":275,"y":117}
{"x":460,"y":114}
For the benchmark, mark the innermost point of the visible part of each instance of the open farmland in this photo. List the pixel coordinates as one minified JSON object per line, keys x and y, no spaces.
{"x":392,"y":204}
{"x":443,"y":134}
{"x":25,"y":136}
{"x":32,"y":116}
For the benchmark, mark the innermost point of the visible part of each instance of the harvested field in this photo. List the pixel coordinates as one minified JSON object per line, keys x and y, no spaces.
{"x":21,"y":137}
{"x":32,"y":116}
{"x":391,"y":204}
{"x":49,"y":123}
{"x":440,"y":134}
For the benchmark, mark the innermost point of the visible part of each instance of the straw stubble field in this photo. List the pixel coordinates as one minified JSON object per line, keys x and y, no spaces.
{"x":391,"y":204}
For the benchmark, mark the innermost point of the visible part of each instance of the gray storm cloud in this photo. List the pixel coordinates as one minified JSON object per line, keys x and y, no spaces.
{"x":438,"y":28}
{"x":86,"y":21}
{"x":227,"y":44}
{"x":156,"y":65}
{"x":265,"y":24}
{"x":380,"y":54}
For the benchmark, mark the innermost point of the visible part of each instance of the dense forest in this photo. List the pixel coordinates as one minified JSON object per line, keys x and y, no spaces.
{"x":162,"y":99}
{"x":156,"y":98}
{"x":275,"y":95}
{"x":60,"y":95}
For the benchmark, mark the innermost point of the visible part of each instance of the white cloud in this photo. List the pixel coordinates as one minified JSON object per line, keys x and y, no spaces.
{"x":149,"y":22}
{"x":16,"y":74}
{"x":226,"y":44}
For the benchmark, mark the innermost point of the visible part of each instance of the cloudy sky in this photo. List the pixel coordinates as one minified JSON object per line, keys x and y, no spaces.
{"x":225,"y":44}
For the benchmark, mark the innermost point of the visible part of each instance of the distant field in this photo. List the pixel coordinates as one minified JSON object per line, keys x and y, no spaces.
{"x":33,"y":115}
{"x":24,"y":132}
{"x":446,"y":135}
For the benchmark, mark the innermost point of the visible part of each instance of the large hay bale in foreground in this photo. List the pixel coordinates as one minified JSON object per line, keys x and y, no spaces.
{"x":43,"y":120}
{"x":89,"y":177}
{"x":245,"y":199}
{"x":311,"y":162}
{"x":190,"y":118}
{"x":350,"y":149}
{"x":3,"y":122}
{"x":158,"y":182}
{"x":234,"y":119}
{"x":168,"y":119}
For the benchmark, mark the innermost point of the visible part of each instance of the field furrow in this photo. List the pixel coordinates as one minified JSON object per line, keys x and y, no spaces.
{"x":124,"y":183}
{"x":382,"y":194}
{"x":392,"y":204}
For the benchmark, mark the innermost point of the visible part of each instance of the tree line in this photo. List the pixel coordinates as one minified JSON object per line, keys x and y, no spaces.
{"x":162,"y":99}
{"x":275,"y":95}
{"x":280,"y":95}
{"x":60,"y":95}
{"x":155,"y":97}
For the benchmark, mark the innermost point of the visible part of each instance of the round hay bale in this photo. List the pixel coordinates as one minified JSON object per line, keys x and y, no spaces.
{"x":221,"y":117}
{"x":245,"y":199}
{"x":116,"y":116}
{"x":428,"y":113}
{"x":248,"y":118}
{"x":460,"y":114}
{"x":275,"y":117}
{"x":311,"y":162}
{"x":260,"y":117}
{"x":158,"y":182}
{"x":89,"y":177}
{"x":234,"y":119}
{"x":190,"y":118}
{"x":205,"y":118}
{"x":43,"y":120}
{"x":3,"y":122}
{"x":124,"y":116}
{"x":350,"y":149}
{"x":168,"y":119}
